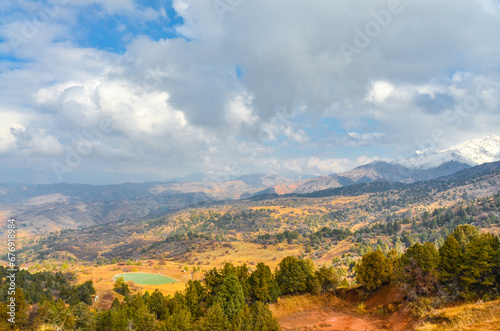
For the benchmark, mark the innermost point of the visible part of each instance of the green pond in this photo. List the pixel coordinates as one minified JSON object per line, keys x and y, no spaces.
{"x":142,"y":278}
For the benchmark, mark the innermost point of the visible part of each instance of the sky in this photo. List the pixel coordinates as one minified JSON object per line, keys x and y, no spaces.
{"x":113,"y":91}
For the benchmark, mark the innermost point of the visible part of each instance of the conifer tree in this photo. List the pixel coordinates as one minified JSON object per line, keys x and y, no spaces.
{"x":121,"y":286}
{"x":262,"y":319}
{"x":156,"y":304}
{"x":103,"y":320}
{"x":257,"y":317}
{"x":194,"y":294}
{"x":464,"y":233}
{"x":180,"y":320}
{"x":120,"y":318}
{"x":216,"y":319}
{"x":478,"y":270}
{"x":84,"y":319}
{"x":262,"y":285}
{"x":21,"y":308}
{"x":426,"y":256}
{"x":451,"y":255}
{"x":143,"y":319}
{"x":295,"y":276}
{"x":328,"y":278}
{"x":230,"y":297}
{"x":374,"y":270}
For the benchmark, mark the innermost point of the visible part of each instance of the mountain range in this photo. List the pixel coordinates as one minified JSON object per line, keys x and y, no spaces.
{"x":51,"y":207}
{"x":472,"y":152}
{"x":376,"y":171}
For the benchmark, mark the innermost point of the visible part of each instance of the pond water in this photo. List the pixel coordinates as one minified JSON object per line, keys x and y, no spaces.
{"x":143,"y":278}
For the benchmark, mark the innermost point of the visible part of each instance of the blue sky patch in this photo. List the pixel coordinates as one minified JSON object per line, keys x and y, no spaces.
{"x":113,"y":33}
{"x":239,"y":72}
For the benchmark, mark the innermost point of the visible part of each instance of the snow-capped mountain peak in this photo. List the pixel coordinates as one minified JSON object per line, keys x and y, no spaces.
{"x":481,"y":150}
{"x":472,"y":152}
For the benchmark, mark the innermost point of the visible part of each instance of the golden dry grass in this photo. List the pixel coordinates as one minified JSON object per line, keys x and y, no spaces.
{"x":471,"y":317}
{"x":245,"y":252}
{"x":241,"y":252}
{"x":103,"y":276}
{"x":319,"y":207}
{"x":20,"y":233}
{"x":495,"y":229}
{"x":336,"y":251}
{"x":288,"y":305}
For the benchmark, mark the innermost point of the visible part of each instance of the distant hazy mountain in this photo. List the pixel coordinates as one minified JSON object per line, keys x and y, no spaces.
{"x":263,"y":180}
{"x":204,"y":178}
{"x":51,"y":207}
{"x":471,"y":183}
{"x":390,"y":172}
{"x":375,"y":171}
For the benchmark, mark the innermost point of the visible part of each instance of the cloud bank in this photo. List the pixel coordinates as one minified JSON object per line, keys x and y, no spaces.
{"x":236,"y":87}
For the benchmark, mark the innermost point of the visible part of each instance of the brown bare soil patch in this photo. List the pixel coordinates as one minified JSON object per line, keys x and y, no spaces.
{"x":383,"y":310}
{"x":386,"y":295}
{"x":338,"y":250}
{"x":330,"y":320}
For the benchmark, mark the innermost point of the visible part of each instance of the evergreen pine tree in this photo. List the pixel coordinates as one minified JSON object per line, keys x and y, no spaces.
{"x":478,"y":271}
{"x":295,"y":276}
{"x":262,"y":285}
{"x":374,"y":270}
{"x":426,"y":256}
{"x":464,"y":233}
{"x":156,"y":304}
{"x":84,"y":319}
{"x":230,"y":296}
{"x":257,"y":317}
{"x":143,"y":319}
{"x":180,"y":320}
{"x":216,"y":319}
{"x":194,"y":293}
{"x":451,"y":255}
{"x":328,"y":278}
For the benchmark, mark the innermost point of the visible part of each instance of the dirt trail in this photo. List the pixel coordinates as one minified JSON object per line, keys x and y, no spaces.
{"x":337,"y":314}
{"x":330,"y":320}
